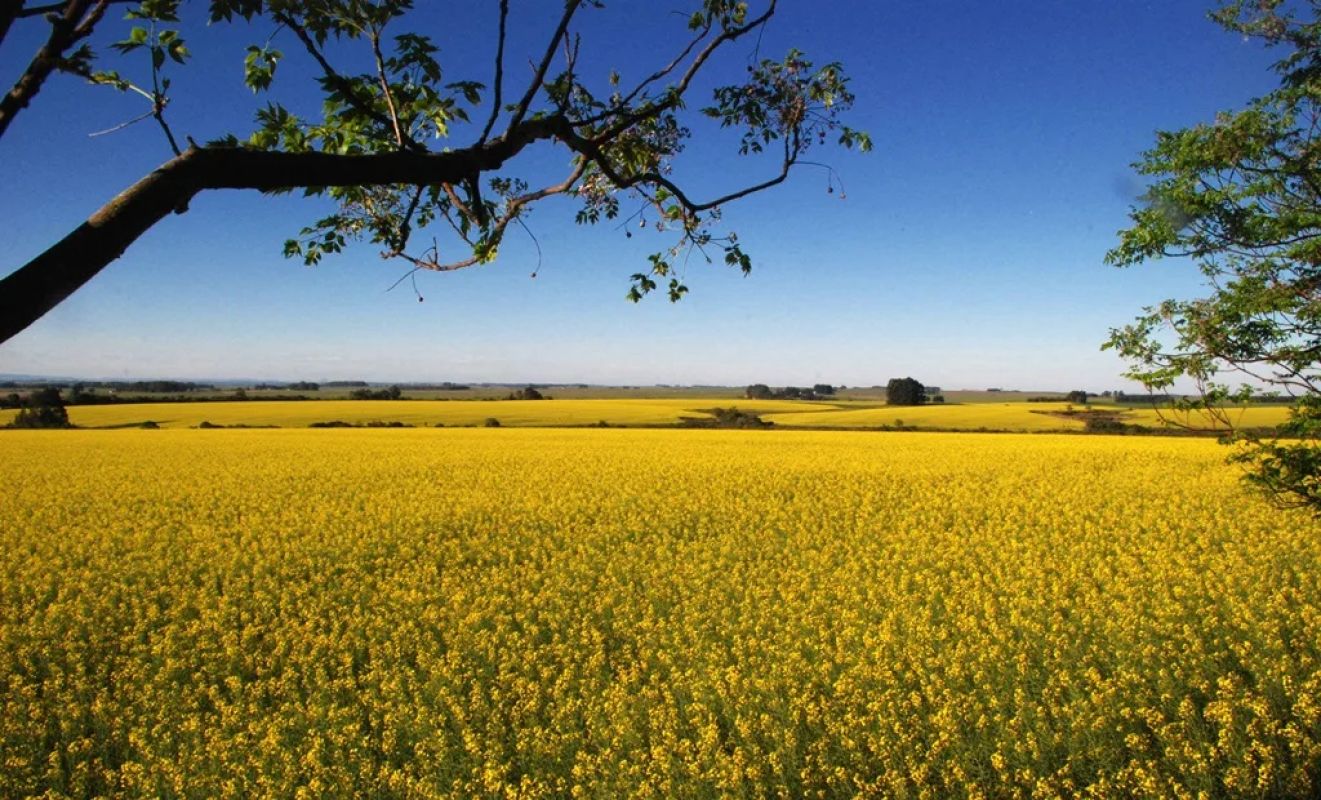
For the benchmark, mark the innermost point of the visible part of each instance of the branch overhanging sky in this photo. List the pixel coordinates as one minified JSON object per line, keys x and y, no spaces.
{"x":966,"y":250}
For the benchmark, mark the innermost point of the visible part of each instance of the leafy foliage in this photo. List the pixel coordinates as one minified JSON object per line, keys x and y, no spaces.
{"x":1241,"y":198}
{"x":904,"y":392}
{"x":43,"y":408}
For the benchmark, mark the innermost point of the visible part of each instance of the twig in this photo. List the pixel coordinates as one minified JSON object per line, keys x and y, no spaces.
{"x":121,"y":126}
{"x":535,"y":243}
{"x":74,"y":24}
{"x":539,"y":74}
{"x":375,"y":38}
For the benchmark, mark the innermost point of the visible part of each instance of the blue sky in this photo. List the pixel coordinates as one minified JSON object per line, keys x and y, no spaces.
{"x":968,"y":252}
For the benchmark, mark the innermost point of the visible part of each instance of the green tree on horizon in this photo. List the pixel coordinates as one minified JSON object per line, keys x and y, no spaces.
{"x":905,"y":392}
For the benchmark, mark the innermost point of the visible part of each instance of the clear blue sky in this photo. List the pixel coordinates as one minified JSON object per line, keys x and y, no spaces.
{"x":968,"y":252}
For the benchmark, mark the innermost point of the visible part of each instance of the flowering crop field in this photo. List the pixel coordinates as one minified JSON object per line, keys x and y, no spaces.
{"x":299,"y":414}
{"x":649,"y":613}
{"x":1015,"y":417}
{"x":1032,"y":417}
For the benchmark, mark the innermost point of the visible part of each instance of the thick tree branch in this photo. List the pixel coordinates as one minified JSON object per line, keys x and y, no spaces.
{"x":45,"y":281}
{"x":10,"y":10}
{"x":49,"y":278}
{"x":37,"y":11}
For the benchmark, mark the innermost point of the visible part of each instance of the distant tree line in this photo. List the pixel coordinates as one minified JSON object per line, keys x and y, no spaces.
{"x":445,"y":386}
{"x":388,"y":393}
{"x":80,"y":396}
{"x":1079,"y":396}
{"x":145,"y":387}
{"x":760,"y":391}
{"x":527,"y":393}
{"x":296,"y":386}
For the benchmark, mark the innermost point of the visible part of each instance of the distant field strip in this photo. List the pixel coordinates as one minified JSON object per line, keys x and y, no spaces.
{"x":972,"y":416}
{"x":1014,"y":417}
{"x":525,"y":413}
{"x":1252,"y":417}
{"x":1025,"y":417}
{"x":650,"y":613}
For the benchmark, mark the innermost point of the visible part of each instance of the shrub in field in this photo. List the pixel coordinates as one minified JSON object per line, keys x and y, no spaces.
{"x":43,"y":408}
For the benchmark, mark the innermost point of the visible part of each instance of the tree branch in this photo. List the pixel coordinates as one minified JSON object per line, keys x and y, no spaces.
{"x":10,"y":10}
{"x":375,"y":38}
{"x":625,"y":101}
{"x":340,"y":82}
{"x":41,"y":284}
{"x":539,"y":77}
{"x":495,"y":234}
{"x":37,"y":11}
{"x":676,"y":92}
{"x":66,"y":30}
{"x":593,"y":152}
{"x":499,"y":74}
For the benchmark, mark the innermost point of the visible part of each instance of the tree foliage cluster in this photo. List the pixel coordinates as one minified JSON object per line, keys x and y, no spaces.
{"x":392,"y":392}
{"x":417,"y":161}
{"x":1241,"y":198}
{"x":760,"y":391}
{"x":43,"y":408}
{"x":731,"y":417}
{"x":905,"y":392}
{"x":527,"y":393}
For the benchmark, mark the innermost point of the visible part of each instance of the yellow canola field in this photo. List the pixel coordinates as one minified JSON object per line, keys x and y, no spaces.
{"x":1263,"y":416}
{"x":299,"y":414}
{"x":614,"y":613}
{"x":1017,"y":417}
{"x":1027,"y":417}
{"x":970,"y":416}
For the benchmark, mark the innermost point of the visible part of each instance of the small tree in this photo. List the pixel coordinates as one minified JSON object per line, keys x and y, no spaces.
{"x":823,"y":389}
{"x":42,"y":409}
{"x":758,"y":391}
{"x":904,"y":392}
{"x":1078,"y":396}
